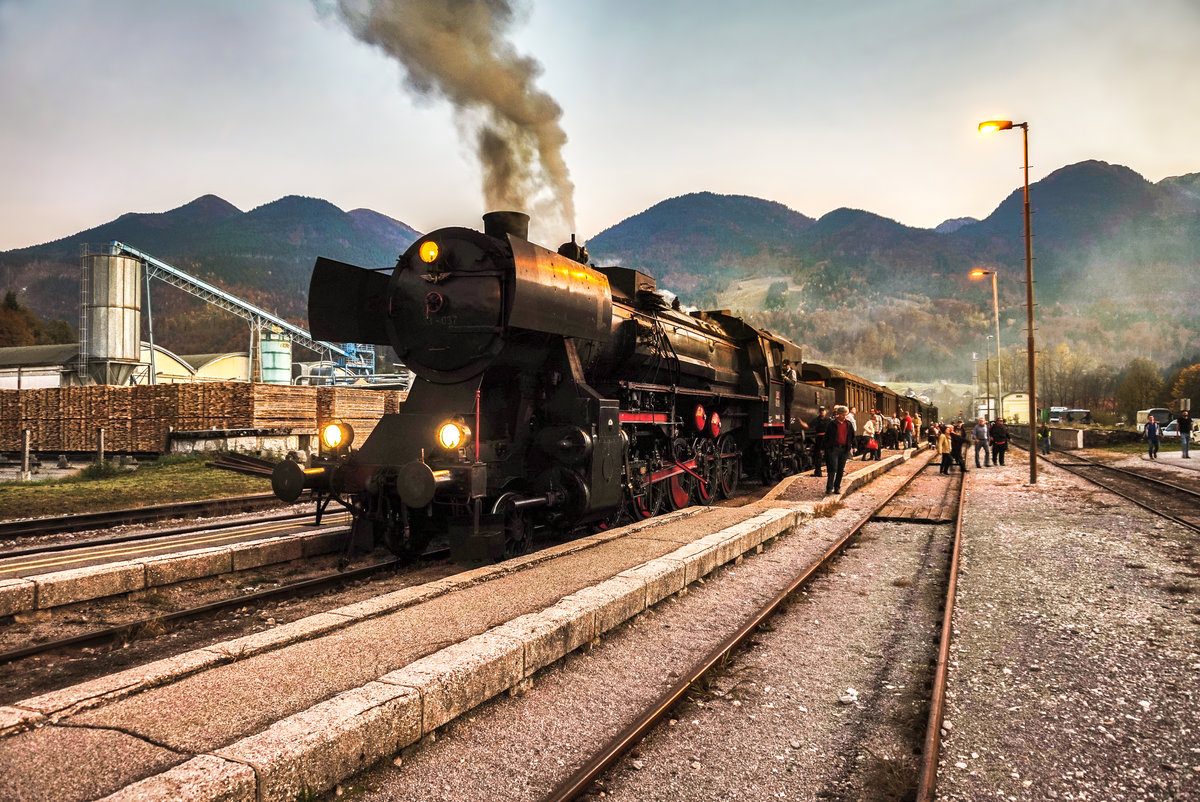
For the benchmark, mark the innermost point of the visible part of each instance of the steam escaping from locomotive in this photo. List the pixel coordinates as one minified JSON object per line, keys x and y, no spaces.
{"x":456,"y":49}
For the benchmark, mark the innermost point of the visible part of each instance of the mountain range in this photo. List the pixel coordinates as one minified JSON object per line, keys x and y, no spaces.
{"x":1100,"y":231}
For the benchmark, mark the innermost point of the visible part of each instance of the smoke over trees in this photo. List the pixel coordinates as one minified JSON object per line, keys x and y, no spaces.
{"x":455,"y":49}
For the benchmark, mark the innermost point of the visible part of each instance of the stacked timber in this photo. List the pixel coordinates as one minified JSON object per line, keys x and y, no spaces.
{"x":359,"y":407}
{"x":11,"y":416}
{"x":275,"y":406}
{"x":139,"y":418}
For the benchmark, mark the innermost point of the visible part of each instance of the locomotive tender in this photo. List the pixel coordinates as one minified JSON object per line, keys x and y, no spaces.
{"x":548,"y":392}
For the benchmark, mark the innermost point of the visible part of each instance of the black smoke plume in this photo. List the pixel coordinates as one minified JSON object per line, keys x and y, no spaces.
{"x":457,"y":49}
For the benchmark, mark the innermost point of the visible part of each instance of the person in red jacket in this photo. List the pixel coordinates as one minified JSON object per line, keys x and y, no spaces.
{"x":839,"y":439}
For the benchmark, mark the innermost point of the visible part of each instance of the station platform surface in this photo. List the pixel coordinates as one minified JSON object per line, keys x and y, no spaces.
{"x":296,"y":708}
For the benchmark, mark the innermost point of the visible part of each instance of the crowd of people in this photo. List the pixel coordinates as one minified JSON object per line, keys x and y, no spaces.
{"x":839,"y":437}
{"x":951,"y":440}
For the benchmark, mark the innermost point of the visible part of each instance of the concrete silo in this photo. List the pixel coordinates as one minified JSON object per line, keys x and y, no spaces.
{"x":110,"y":317}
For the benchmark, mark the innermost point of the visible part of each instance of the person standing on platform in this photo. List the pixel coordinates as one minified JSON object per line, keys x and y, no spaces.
{"x":980,"y":435}
{"x":1185,"y":432}
{"x":1152,"y":432}
{"x":868,"y":434}
{"x":958,"y":444}
{"x":817,"y":427}
{"x":943,"y":448}
{"x":839,"y":439}
{"x":999,"y":442}
{"x":908,"y":427}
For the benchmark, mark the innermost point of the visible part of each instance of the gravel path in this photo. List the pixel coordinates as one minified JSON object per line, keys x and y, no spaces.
{"x":1076,"y":666}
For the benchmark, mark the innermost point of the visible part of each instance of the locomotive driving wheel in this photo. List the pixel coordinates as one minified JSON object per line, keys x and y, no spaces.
{"x":772,"y":463}
{"x":706,"y":489}
{"x":648,"y":501}
{"x":729,"y":466}
{"x":680,"y":487}
{"x":518,"y":533}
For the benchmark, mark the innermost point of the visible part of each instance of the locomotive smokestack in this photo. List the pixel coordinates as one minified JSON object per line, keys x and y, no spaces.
{"x":499,"y":224}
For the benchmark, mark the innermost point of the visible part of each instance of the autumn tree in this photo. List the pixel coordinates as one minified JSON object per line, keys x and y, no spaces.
{"x":20,"y":326}
{"x":1141,"y":388}
{"x":1187,"y":384}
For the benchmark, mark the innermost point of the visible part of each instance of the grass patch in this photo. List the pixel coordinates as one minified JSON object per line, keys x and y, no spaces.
{"x":172,"y":478}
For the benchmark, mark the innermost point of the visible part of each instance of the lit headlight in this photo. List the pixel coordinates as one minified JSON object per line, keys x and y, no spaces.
{"x":429,"y":251}
{"x":453,"y":434}
{"x":337,"y":435}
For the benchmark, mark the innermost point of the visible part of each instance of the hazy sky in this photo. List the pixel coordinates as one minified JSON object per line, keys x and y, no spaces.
{"x":109,"y":106}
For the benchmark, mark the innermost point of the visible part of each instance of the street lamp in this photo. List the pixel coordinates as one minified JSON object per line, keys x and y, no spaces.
{"x":1005,"y":125}
{"x":987,"y":377}
{"x":980,"y":273}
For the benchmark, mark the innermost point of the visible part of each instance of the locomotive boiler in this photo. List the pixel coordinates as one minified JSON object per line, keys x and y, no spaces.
{"x":548,"y":393}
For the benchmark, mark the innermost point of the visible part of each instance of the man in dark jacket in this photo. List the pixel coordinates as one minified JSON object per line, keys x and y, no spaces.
{"x":1185,"y":432}
{"x":999,"y":442}
{"x":958,"y":444}
{"x":817,"y":429}
{"x":1152,"y":432}
{"x":839,"y":439}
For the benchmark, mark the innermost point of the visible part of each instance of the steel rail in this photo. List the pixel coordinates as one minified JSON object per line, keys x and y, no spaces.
{"x":95,"y":520}
{"x":283,"y":591}
{"x":931,"y":750}
{"x":133,"y":537}
{"x":602,"y":760}
{"x":1146,"y":479}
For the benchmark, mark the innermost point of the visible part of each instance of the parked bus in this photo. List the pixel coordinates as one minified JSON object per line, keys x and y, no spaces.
{"x":1162,"y":417}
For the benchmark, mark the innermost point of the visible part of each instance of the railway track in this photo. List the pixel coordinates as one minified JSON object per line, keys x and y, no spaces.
{"x":125,"y":632}
{"x":890,"y":509}
{"x":1168,"y":499}
{"x":33,"y":527}
{"x":148,"y":534}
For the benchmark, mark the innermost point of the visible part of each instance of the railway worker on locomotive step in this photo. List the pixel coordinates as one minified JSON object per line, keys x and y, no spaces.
{"x":788,"y":374}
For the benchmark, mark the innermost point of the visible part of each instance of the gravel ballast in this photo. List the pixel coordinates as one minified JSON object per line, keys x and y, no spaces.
{"x":1075,"y":666}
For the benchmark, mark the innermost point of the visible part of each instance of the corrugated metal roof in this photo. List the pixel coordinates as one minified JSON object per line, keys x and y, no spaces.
{"x":28,"y":356}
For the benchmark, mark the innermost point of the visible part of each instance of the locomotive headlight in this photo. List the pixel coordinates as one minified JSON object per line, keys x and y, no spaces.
{"x":336,"y":436}
{"x":453,"y":434}
{"x":429,"y":251}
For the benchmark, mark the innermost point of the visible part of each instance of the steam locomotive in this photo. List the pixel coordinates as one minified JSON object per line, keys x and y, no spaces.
{"x":548,"y":393}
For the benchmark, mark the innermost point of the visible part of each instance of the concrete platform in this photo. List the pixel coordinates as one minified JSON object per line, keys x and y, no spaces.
{"x":46,"y":591}
{"x":294,"y":709}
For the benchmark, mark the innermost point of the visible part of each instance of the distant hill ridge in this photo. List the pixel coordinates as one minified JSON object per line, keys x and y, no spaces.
{"x":1098,"y":229}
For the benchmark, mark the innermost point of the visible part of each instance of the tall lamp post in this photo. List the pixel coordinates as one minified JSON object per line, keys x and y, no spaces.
{"x":1005,"y":125}
{"x":987,"y":379}
{"x":980,"y":273}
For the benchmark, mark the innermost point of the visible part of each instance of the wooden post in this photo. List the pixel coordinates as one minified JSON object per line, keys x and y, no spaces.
{"x":100,"y":445}
{"x":26,"y":461}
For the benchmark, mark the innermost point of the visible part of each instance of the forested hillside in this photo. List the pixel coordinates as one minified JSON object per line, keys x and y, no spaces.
{"x":264,"y":256}
{"x":1116,"y":262}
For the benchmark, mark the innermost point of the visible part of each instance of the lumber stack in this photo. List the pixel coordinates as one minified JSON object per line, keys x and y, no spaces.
{"x":359,"y":407}
{"x":138,"y":419}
